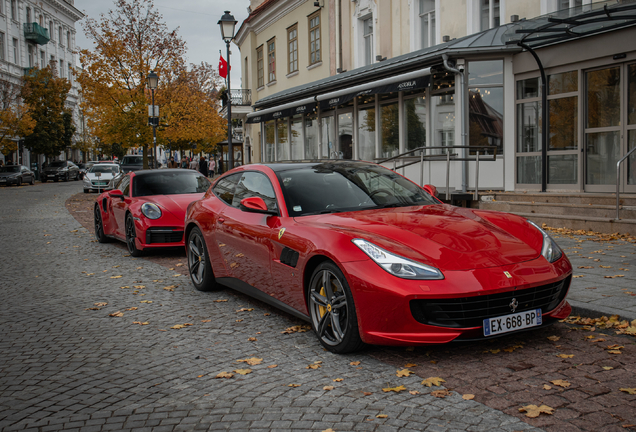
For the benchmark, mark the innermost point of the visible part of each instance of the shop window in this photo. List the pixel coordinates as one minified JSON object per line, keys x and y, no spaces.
{"x":270,"y":141}
{"x":282,"y":152}
{"x":311,"y":136}
{"x":366,"y":133}
{"x":296,"y":137}
{"x":389,"y":130}
{"x":415,"y":122}
{"x":485,"y":106}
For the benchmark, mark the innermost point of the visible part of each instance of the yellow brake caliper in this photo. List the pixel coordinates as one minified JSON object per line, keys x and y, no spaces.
{"x":322,"y":309}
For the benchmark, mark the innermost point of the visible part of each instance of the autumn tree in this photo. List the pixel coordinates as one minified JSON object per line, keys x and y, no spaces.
{"x":15,"y":120}
{"x":45,"y":94}
{"x":129,"y":42}
{"x":189,"y":109}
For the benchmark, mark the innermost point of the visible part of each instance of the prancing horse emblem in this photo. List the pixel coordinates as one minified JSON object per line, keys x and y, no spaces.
{"x":514,"y":304}
{"x":280,"y":233}
{"x":508,"y":275}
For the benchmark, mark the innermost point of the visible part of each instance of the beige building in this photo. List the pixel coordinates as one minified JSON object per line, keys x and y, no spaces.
{"x":375,"y":79}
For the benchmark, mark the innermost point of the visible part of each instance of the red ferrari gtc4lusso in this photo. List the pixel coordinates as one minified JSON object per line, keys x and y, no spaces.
{"x":146,"y":208}
{"x":367,"y":256}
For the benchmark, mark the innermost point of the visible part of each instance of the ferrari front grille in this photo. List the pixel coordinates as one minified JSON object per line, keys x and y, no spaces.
{"x":471,"y":311}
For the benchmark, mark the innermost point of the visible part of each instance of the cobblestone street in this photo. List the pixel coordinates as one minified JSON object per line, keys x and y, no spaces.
{"x":95,"y":340}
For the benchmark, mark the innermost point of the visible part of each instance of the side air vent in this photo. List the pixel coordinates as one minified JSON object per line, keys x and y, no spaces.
{"x":289,"y":257}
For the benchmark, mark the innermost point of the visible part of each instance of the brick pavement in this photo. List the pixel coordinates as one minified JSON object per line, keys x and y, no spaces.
{"x":66,"y":364}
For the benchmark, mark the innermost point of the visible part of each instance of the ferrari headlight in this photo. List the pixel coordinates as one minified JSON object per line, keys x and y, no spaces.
{"x":151,"y":211}
{"x":550,"y":250}
{"x":396,"y":265}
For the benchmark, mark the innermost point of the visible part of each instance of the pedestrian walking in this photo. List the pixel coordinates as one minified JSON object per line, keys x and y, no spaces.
{"x":220,"y":168}
{"x":184,"y":162}
{"x":194,"y":164}
{"x":172,"y":163}
{"x":211,"y":167}
{"x":203,"y":166}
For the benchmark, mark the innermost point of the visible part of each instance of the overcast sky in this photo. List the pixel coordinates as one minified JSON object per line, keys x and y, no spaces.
{"x":198,"y":27}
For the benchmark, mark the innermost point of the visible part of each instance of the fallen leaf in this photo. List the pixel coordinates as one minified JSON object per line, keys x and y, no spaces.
{"x":337,"y":379}
{"x":410,"y":365}
{"x":170,"y":288}
{"x":224,"y":375}
{"x":608,"y":367}
{"x":614,"y":352}
{"x":381,"y":416}
{"x":367,"y":393}
{"x":554,"y":338}
{"x":139,"y":286}
{"x":146,"y":301}
{"x":561,"y":383}
{"x":272,"y":366}
{"x":207,"y":320}
{"x":313,"y":366}
{"x":239,"y":320}
{"x":354,"y":363}
{"x":580,"y":276}
{"x":245,"y":310}
{"x":440,"y":393}
{"x":251,"y":339}
{"x":468,"y":397}
{"x":631,"y":391}
{"x":293,"y":385}
{"x":414,"y":392}
{"x":433,"y":381}
{"x":328,"y":388}
{"x":533,"y":411}
{"x":296,"y":329}
{"x":116,"y":314}
{"x":100,"y":304}
{"x":243,"y":371}
{"x":253,"y":361}
{"x":586,"y":267}
{"x":394,"y":389}
{"x":93,"y":308}
{"x":565,"y":355}
{"x":179,"y":265}
{"x":547,"y":387}
{"x":328,"y":430}
{"x":115,"y":277}
{"x":131,"y":308}
{"x":141,"y":323}
{"x":403,"y":372}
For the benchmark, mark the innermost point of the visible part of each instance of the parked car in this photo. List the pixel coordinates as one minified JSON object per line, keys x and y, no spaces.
{"x":100,"y":176}
{"x":367,"y":256}
{"x":16,"y":174}
{"x":134,"y":163}
{"x":146,"y":209}
{"x":60,"y":170}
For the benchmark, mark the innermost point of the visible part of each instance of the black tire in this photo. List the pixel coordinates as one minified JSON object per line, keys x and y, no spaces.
{"x":19,"y":183}
{"x":86,"y":190}
{"x":77,"y":177}
{"x":332,"y":310}
{"x":43,"y":180}
{"x":55,"y":179}
{"x":131,"y":235}
{"x":67,"y":177}
{"x":99,"y":226}
{"x":32,"y":182}
{"x":199,"y":265}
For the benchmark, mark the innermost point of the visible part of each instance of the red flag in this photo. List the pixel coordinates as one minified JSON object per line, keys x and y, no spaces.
{"x":223,"y":67}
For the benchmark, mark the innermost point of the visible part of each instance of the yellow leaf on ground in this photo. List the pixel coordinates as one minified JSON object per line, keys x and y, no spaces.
{"x":139,"y":286}
{"x":433,"y":381}
{"x":313,"y":366}
{"x":337,"y":380}
{"x":328,"y":430}
{"x":207,"y":320}
{"x":354,"y":363}
{"x":219,"y":301}
{"x":116,"y":314}
{"x":367,"y":393}
{"x":179,"y":265}
{"x":272,"y":366}
{"x":225,"y":375}
{"x":403,"y":372}
{"x":561,"y":383}
{"x":296,"y":329}
{"x":115,"y":277}
{"x":414,"y":392}
{"x":565,"y":355}
{"x":580,"y":276}
{"x":608,"y":367}
{"x":328,"y":388}
{"x":243,"y":371}
{"x":251,"y":339}
{"x":631,"y":391}
{"x":394,"y":389}
{"x":614,"y":351}
{"x":100,"y":304}
{"x":170,"y":288}
{"x":177,"y":326}
{"x":251,"y":361}
{"x":293,"y":385}
{"x":547,"y":387}
{"x":440,"y":393}
{"x":381,"y":416}
{"x":554,"y":338}
{"x":245,"y":310}
{"x":533,"y":411}
{"x":131,"y":308}
{"x":468,"y":397}
{"x":410,"y":365}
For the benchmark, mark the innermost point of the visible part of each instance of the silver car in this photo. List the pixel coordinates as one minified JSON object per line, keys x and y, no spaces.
{"x":99,"y":177}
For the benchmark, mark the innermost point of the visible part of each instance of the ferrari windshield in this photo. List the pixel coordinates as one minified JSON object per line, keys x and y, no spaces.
{"x":102,"y":168}
{"x":339,"y":187}
{"x":169,"y":183}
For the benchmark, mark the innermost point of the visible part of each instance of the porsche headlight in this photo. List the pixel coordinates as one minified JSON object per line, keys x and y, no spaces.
{"x":550,"y":250}
{"x":396,"y":265}
{"x":151,"y":211}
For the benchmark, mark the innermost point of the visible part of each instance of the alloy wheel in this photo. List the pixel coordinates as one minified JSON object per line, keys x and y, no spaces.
{"x":329,"y":307}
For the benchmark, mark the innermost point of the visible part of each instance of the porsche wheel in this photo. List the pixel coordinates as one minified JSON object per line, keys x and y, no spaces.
{"x":332,"y":310}
{"x":99,"y":226}
{"x":131,"y":235}
{"x":199,"y":265}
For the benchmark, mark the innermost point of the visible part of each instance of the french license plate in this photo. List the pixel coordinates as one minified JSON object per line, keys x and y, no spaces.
{"x":512,"y":322}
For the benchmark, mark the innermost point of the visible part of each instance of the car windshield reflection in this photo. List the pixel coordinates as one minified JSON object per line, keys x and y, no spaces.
{"x":10,"y":169}
{"x":333,"y":188}
{"x":170,"y":183}
{"x":112,"y":169}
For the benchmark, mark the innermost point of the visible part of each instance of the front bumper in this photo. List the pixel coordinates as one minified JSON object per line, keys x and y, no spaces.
{"x":167,"y":231}
{"x":386,"y":316}
{"x":55,"y":175}
{"x":8,"y":181}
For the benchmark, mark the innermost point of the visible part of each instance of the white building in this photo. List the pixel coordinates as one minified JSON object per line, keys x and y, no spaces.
{"x":38,"y":33}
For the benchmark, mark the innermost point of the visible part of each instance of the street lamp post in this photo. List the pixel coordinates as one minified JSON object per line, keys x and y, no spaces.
{"x":227,"y":24}
{"x":153,"y":81}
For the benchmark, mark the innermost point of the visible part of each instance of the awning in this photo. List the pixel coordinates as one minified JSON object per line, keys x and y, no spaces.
{"x":409,"y":81}
{"x":288,"y":110}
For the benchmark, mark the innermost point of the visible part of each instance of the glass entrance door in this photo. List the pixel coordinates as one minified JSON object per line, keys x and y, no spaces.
{"x":610,"y":128}
{"x":345,"y":135}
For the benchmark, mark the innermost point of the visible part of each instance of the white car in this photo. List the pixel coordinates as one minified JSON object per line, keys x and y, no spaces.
{"x":99,"y":177}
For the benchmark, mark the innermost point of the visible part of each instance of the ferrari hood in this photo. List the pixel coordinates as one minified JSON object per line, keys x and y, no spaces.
{"x":175,"y":204}
{"x":449,"y":238}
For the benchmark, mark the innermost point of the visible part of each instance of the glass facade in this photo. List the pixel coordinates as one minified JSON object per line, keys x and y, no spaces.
{"x":281,"y":140}
{"x":366,"y":134}
{"x":311,"y":136}
{"x":389,"y":130}
{"x":296,"y":138}
{"x":415,"y":124}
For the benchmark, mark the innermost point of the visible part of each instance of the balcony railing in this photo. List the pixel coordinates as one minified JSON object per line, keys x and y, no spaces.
{"x":35,"y":33}
{"x":239,"y":97}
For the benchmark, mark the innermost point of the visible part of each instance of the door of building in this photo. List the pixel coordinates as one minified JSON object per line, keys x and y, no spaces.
{"x":345,"y":135}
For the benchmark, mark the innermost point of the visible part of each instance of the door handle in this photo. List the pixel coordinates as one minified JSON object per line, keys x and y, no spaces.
{"x":220,"y":220}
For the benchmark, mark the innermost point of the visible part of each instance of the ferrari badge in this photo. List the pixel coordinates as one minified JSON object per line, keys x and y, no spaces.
{"x":280,"y":233}
{"x":508,"y":275}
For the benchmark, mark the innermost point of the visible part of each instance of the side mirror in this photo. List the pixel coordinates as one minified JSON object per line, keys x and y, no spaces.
{"x":430,"y":189}
{"x":255,"y":205}
{"x":116,"y":194}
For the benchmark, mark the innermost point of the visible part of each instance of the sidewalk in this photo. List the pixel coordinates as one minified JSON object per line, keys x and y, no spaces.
{"x":604,"y":281}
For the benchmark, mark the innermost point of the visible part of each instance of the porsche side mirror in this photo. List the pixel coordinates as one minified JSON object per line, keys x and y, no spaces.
{"x":430,"y":189}
{"x":116,"y":194}
{"x":255,"y":205}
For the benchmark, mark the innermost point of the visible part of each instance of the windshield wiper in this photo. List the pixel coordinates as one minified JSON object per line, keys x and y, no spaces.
{"x":392,"y":205}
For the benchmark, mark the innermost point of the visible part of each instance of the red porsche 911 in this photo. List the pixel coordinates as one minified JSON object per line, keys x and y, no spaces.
{"x":146,"y":208}
{"x":367,"y":256}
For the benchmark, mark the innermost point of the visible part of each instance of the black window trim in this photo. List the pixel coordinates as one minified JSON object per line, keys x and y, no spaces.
{"x":241,"y":174}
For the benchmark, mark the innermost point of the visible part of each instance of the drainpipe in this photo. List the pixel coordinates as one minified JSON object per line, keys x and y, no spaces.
{"x":460,"y":109}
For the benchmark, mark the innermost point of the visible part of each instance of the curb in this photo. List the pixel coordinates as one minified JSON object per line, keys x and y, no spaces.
{"x":584,"y":309}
